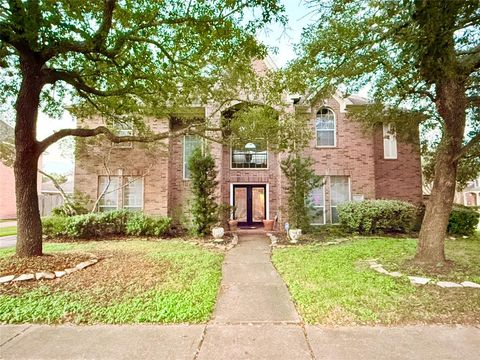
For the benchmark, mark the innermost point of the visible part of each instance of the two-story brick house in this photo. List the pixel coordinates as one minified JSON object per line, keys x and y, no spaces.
{"x":355,"y":165}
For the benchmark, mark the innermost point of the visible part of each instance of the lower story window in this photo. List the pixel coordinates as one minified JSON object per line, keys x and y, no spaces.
{"x":109,"y":188}
{"x":317,"y":206}
{"x":120,"y":192}
{"x":339,"y":193}
{"x":323,"y":208}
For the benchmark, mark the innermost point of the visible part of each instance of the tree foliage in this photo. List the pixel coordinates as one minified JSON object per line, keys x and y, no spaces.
{"x":417,"y":55}
{"x":124,"y":61}
{"x":131,"y":57}
{"x":402,"y":50}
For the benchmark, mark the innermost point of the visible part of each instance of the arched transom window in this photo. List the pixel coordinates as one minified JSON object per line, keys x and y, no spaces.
{"x":325,"y":128}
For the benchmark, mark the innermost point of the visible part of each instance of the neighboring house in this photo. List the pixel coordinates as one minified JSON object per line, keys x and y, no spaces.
{"x":51,"y":197}
{"x":8,"y":209}
{"x":7,"y":180}
{"x":355,"y":166}
{"x":470,"y":195}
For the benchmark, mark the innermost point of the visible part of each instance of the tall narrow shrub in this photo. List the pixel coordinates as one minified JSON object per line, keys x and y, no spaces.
{"x":301,"y":180}
{"x":203,"y":185}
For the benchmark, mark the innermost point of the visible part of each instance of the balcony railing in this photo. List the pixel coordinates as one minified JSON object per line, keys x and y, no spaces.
{"x":245,"y":159}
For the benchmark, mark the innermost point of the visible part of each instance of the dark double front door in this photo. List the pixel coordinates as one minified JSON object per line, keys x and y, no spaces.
{"x":250,"y":203}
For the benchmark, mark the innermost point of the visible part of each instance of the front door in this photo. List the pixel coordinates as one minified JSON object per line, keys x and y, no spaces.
{"x":250,"y":204}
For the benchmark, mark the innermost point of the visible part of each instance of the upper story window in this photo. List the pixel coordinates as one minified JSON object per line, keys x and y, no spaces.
{"x":389,"y":142}
{"x":325,"y":128}
{"x":190,"y":143}
{"x":251,"y":156}
{"x":123,"y":129}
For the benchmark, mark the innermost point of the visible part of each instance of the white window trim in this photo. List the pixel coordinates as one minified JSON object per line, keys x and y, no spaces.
{"x":330,"y":199}
{"x":123,"y":132}
{"x":390,"y":151}
{"x":324,"y":209}
{"x":142,"y":197}
{"x":334,"y":130}
{"x":267,"y":197}
{"x":120,"y":192}
{"x":243,"y":169}
{"x":99,"y":206}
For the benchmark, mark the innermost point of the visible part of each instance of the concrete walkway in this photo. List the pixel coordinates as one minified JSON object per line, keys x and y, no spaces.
{"x":254,"y":319}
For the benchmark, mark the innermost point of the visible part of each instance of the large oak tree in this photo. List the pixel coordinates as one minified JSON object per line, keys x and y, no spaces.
{"x":421,"y":55}
{"x":118,"y":59}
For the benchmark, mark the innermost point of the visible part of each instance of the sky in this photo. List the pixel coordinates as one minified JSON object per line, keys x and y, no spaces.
{"x":275,"y":36}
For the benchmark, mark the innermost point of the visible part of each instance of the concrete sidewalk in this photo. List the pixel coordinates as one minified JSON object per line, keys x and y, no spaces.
{"x":254,"y":319}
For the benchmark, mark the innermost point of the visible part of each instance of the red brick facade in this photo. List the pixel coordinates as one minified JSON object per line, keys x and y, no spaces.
{"x":356,"y":155}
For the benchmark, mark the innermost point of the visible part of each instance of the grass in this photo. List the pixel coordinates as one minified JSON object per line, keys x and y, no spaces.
{"x":7,"y":231}
{"x":137,"y":282}
{"x":334,"y":286}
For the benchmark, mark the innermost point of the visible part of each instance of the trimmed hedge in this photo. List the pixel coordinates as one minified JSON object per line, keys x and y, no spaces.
{"x":120,"y":222}
{"x":372,"y":216}
{"x":141,"y":224}
{"x":463,"y":220}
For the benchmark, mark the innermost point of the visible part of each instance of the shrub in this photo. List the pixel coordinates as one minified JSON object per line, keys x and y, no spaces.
{"x":119,"y":222}
{"x":301,"y":180}
{"x":463,"y":220}
{"x":55,"y":226}
{"x":141,"y":224}
{"x":203,"y":185}
{"x":371,"y":216}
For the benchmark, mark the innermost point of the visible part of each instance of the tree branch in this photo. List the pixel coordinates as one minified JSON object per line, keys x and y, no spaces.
{"x":467,"y":147}
{"x":59,"y":188}
{"x":191,"y":128}
{"x":474,"y":100}
{"x":76,"y":80}
{"x":470,"y":61}
{"x":97,"y":42}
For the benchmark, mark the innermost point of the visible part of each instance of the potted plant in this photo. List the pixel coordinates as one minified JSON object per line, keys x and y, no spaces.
{"x":217,"y":233}
{"x":294,"y":235}
{"x":232,"y":222}
{"x":268,"y":224}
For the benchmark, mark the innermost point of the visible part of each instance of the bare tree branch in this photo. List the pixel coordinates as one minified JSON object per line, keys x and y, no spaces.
{"x":79,"y":132}
{"x":474,"y":100}
{"x":467,"y":147}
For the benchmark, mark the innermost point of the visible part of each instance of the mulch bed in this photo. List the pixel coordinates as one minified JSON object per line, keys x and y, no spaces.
{"x":14,"y":265}
{"x":118,"y":274}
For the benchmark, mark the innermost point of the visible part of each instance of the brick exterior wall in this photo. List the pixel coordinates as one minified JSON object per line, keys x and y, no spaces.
{"x":357,"y":155}
{"x":399,"y":178}
{"x":141,"y":159}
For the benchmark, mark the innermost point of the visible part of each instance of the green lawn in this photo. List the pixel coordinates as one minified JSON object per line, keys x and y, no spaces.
{"x":332,"y":285}
{"x":9,"y":230}
{"x":137,"y":282}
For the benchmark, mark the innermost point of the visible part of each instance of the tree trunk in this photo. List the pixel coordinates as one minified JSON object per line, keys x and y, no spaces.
{"x":451,"y":105}
{"x":29,"y":226}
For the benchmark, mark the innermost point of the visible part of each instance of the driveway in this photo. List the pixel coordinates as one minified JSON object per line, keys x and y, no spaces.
{"x":8,"y":241}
